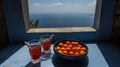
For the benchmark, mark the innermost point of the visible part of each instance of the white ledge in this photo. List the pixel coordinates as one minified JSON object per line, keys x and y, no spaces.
{"x":61,"y":30}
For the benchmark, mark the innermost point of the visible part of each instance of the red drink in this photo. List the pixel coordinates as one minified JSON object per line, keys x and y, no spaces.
{"x":46,"y":44}
{"x":34,"y":46}
{"x":35,"y":51}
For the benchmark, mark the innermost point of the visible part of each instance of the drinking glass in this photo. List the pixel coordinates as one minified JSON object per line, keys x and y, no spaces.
{"x":46,"y":43}
{"x":34,"y":50}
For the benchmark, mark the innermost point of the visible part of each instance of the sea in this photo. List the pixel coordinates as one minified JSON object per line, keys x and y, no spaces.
{"x":54,"y":20}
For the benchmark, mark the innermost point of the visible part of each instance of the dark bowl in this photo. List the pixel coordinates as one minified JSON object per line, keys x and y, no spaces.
{"x":69,"y":57}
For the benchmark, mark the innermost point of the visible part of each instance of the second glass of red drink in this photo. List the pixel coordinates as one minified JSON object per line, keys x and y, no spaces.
{"x":46,"y":43}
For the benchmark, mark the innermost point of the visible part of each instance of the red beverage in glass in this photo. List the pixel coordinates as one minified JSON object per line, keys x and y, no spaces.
{"x":46,"y":44}
{"x":35,"y":52}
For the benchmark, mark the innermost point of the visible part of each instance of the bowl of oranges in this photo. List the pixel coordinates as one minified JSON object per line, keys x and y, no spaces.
{"x":70,"y":49}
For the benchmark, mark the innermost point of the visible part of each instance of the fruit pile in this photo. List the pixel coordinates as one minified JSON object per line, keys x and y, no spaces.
{"x":71,"y":48}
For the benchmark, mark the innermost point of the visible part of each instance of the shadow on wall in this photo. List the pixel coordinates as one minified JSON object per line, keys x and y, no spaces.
{"x":116,"y":26}
{"x":3,"y":30}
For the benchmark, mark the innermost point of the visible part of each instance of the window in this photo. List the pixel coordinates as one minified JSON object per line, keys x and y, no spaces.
{"x":61,"y":15}
{"x":17,"y":19}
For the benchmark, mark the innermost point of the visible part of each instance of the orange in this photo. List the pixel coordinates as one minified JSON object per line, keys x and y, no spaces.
{"x":58,"y":48}
{"x":65,"y":52}
{"x":65,"y":45}
{"x":60,"y":51}
{"x":76,"y":43}
{"x":74,"y":49}
{"x":63,"y":48}
{"x":71,"y":53}
{"x":77,"y":54}
{"x":78,"y":49}
{"x":68,"y":42}
{"x":70,"y":46}
{"x":72,"y":42}
{"x":60,"y":44}
{"x":79,"y":45}
{"x":82,"y":52}
{"x":83,"y":48}
{"x":68,"y":49}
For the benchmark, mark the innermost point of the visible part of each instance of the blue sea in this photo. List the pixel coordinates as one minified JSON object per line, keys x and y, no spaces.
{"x":50,"y":20}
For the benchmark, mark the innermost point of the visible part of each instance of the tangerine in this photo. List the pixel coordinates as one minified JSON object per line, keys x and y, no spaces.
{"x":58,"y":48}
{"x":63,"y":48}
{"x":83,"y":48}
{"x":71,"y":53}
{"x":68,"y":49}
{"x":60,"y":51}
{"x":68,"y":42}
{"x":77,"y":54}
{"x":65,"y":45}
{"x":74,"y":49}
{"x":60,"y":44}
{"x":65,"y":52}
{"x":78,"y":49}
{"x":80,"y":45}
{"x":70,"y":46}
{"x":82,"y":52}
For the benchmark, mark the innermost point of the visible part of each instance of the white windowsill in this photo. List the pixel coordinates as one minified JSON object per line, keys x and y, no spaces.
{"x":65,"y":30}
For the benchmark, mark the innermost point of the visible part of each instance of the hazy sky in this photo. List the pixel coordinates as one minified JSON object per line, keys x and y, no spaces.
{"x":62,"y":6}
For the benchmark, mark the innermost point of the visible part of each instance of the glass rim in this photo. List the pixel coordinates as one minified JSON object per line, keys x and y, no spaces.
{"x":47,"y":35}
{"x":34,"y":41}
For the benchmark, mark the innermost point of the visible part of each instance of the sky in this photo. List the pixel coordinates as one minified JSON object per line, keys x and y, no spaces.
{"x":62,"y":6}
